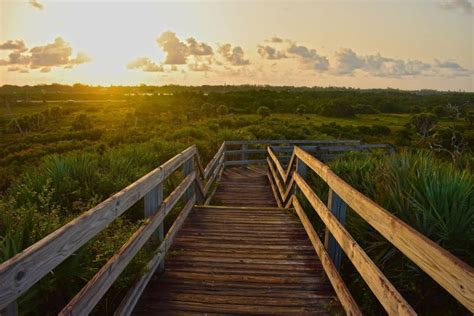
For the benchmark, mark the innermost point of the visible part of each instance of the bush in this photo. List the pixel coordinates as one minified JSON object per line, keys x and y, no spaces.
{"x":82,"y":122}
{"x":263,"y":111}
{"x":301,"y":109}
{"x":222,"y":110}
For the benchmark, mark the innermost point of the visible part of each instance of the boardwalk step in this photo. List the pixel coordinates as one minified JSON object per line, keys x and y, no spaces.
{"x":240,"y":255}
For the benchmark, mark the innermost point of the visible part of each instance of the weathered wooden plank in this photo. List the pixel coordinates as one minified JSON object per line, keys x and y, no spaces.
{"x":214,"y":174}
{"x":291,"y":142}
{"x":10,"y":310}
{"x":245,"y":162}
{"x":152,"y":203}
{"x":274,"y":190}
{"x":212,"y":164}
{"x":210,"y":195}
{"x":245,"y":151}
{"x":93,"y":291}
{"x":385,"y":292}
{"x":345,"y":297}
{"x":131,"y":298}
{"x":454,"y":275}
{"x":276,"y":180}
{"x":338,"y":208}
{"x":19,"y":273}
{"x":278,"y":166}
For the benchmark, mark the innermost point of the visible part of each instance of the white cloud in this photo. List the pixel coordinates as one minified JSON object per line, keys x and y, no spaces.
{"x":177,"y":51}
{"x":235,"y":56}
{"x":268,"y":52}
{"x":145,"y":64}
{"x":309,"y":57}
{"x":56,"y":54}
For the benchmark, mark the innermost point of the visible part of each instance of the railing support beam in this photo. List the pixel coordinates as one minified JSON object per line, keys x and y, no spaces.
{"x":245,"y":155}
{"x":338,"y":207}
{"x":188,"y":167}
{"x":153,"y":201}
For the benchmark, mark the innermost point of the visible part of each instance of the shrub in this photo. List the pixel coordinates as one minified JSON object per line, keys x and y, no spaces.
{"x":263,"y":111}
{"x":81,"y":122}
{"x":424,"y":123}
{"x":222,"y":110}
{"x":301,"y":109}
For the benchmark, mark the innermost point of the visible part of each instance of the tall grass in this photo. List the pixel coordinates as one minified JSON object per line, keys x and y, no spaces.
{"x":433,"y":197}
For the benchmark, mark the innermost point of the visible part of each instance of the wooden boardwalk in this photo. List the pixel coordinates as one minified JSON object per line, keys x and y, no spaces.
{"x":245,"y":253}
{"x":247,"y":257}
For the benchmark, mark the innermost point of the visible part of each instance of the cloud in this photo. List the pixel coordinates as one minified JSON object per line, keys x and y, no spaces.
{"x":199,"y":67}
{"x":56,"y":54}
{"x":198,"y":49}
{"x":145,"y":64}
{"x":36,"y":4}
{"x":348,"y":61}
{"x":268,"y":52}
{"x":17,"y":45}
{"x":379,"y":66}
{"x":275,"y":39}
{"x":309,"y":57}
{"x":463,"y":5}
{"x":177,"y":51}
{"x":235,"y":56}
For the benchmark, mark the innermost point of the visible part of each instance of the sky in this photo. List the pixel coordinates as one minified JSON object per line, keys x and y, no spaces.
{"x":363,"y":44}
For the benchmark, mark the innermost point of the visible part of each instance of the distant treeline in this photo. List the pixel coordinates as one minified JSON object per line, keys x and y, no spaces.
{"x":247,"y":98}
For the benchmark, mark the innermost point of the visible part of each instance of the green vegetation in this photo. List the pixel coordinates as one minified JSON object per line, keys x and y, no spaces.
{"x":63,"y":149}
{"x":434,"y":197}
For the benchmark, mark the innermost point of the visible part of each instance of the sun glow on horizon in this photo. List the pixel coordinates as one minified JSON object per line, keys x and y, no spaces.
{"x":358,"y":43}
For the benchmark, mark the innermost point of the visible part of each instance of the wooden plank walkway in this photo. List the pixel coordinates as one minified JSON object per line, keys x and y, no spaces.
{"x":244,"y":187}
{"x":240,"y":259}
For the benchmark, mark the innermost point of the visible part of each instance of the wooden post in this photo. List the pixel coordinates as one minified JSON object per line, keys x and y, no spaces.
{"x":245,"y":155}
{"x":153,"y":200}
{"x":338,"y":207}
{"x":10,"y":310}
{"x":301,"y":168}
{"x":188,"y":167}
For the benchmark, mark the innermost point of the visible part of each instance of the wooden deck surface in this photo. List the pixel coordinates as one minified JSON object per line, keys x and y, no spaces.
{"x":240,"y":259}
{"x":244,"y":187}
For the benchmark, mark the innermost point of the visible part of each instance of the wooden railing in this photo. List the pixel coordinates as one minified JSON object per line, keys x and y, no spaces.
{"x":21,"y":272}
{"x":454,"y":275}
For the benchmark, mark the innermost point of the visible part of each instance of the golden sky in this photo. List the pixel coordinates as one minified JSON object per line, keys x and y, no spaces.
{"x":367,"y":44}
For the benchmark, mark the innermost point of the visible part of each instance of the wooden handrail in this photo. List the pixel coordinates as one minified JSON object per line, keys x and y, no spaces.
{"x":342,"y":292}
{"x":454,"y":275}
{"x":386,"y":293}
{"x":21,"y":272}
{"x":92,"y":292}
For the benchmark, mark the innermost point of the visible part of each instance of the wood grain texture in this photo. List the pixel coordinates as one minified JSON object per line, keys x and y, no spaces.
{"x":247,"y":260}
{"x":244,"y":186}
{"x":92,"y":292}
{"x":345,"y":297}
{"x":386,"y":293}
{"x":131,"y":298}
{"x":454,"y":275}
{"x":22,"y":271}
